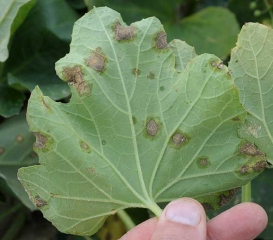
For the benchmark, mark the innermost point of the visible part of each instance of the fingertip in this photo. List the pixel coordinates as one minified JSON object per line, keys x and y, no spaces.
{"x":247,"y":221}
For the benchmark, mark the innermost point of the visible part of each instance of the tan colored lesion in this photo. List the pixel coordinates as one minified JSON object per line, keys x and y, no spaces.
{"x":74,"y":76}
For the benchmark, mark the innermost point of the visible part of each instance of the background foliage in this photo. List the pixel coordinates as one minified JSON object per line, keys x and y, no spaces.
{"x":34,"y":34}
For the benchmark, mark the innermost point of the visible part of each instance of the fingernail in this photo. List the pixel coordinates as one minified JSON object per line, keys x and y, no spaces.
{"x":183,"y":211}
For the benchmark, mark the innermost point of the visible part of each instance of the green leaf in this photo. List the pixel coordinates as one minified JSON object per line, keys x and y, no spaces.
{"x":137,"y":131}
{"x":15,"y":152}
{"x":251,"y":66}
{"x":206,"y":30}
{"x":12,"y":14}
{"x":211,"y":30}
{"x":11,"y":101}
{"x":38,"y":44}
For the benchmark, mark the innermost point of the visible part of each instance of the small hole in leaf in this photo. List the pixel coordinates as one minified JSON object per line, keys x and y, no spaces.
{"x":103,"y":142}
{"x":2,"y":150}
{"x":162,"y":88}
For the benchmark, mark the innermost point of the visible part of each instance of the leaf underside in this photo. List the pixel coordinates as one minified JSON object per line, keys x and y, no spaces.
{"x":148,"y":122}
{"x":252,"y":68}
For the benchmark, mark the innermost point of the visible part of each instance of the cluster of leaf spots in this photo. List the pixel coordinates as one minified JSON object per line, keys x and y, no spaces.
{"x":74,"y":77}
{"x":257,"y":167}
{"x":251,"y":150}
{"x":123,"y":33}
{"x":161,"y":40}
{"x":39,"y":202}
{"x":41,"y":140}
{"x":97,"y":60}
{"x":218,"y":65}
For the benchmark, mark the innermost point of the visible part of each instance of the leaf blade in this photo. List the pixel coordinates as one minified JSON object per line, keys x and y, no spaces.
{"x":255,"y":84}
{"x":107,"y":145}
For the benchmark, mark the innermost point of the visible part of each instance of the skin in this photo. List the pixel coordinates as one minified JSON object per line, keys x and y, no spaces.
{"x":244,"y":221}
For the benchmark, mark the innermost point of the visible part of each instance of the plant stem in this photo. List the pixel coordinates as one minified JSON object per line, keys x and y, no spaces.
{"x":126,"y":219}
{"x":269,"y":9}
{"x":155,"y":209}
{"x":10,"y":211}
{"x":246,"y":192}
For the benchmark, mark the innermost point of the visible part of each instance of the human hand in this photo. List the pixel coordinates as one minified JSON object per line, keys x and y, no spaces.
{"x":185,"y":219}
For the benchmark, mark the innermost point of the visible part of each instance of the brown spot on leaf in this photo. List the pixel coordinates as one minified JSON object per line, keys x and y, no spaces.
{"x":91,"y":170}
{"x":151,"y":75}
{"x":124,"y":32}
{"x":39,"y":202}
{"x":178,"y":139}
{"x":41,"y":140}
{"x":19,"y":138}
{"x":136,"y":71}
{"x":225,"y":199}
{"x":2,"y":150}
{"x":220,"y":65}
{"x":161,"y":40}
{"x":207,"y":206}
{"x":214,"y":64}
{"x":85,"y":147}
{"x":46,"y":105}
{"x":244,"y":169}
{"x":250,"y":149}
{"x":259,"y":166}
{"x":152,"y":128}
{"x":74,"y":76}
{"x":236,"y":119}
{"x":203,"y":161}
{"x":96,"y":61}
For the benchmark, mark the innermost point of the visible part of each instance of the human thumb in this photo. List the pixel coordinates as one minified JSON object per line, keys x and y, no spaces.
{"x":182,"y":219}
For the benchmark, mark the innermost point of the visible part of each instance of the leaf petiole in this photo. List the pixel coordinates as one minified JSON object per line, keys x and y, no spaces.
{"x":126,"y":219}
{"x":246,"y":192}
